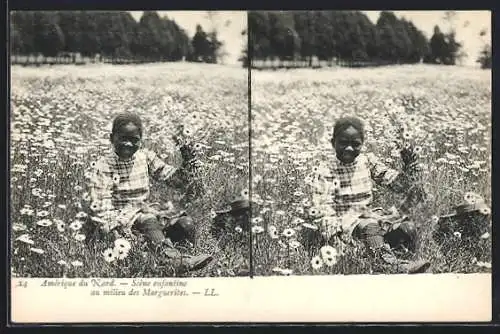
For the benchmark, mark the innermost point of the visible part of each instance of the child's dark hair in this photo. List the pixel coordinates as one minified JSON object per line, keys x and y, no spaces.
{"x":124,"y":119}
{"x":347,"y":121}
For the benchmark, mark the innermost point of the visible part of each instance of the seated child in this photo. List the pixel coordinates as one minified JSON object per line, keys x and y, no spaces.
{"x":120,"y":188}
{"x":349,"y":184}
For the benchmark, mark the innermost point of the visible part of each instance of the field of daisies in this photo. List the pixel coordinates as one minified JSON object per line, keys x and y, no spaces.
{"x":442,"y":112}
{"x":60,"y":123}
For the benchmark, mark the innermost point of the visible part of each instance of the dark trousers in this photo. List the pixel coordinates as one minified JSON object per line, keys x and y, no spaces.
{"x":148,"y":225}
{"x":372,"y":234}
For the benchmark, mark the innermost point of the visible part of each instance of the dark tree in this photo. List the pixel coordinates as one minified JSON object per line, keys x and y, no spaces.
{"x":322,"y":35}
{"x":452,"y":49}
{"x":259,"y":35}
{"x":306,"y":31}
{"x":48,"y":38}
{"x":284,"y":39}
{"x":216,"y":53}
{"x":438,"y":47}
{"x":90,"y":40}
{"x":485,"y":54}
{"x":244,"y":58}
{"x":23,"y":24}
{"x":201,"y":44}
{"x":16,"y":42}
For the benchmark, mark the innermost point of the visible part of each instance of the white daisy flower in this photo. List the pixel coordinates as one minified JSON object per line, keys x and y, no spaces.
{"x":310,"y":226}
{"x":77,"y":263}
{"x":328,"y":251}
{"x":81,"y":215}
{"x":273,"y":232}
{"x":257,"y":229}
{"x":109,"y":255}
{"x":76,"y":225}
{"x":122,"y":244}
{"x":316,"y":263}
{"x":120,"y":253}
{"x":26,"y":239}
{"x":44,"y":222}
{"x":257,"y":220}
{"x":288,"y":232}
{"x":37,"y":250}
{"x":79,"y":237}
{"x":294,"y":244}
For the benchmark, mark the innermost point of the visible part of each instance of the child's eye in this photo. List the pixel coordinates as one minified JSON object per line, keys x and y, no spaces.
{"x":130,"y":139}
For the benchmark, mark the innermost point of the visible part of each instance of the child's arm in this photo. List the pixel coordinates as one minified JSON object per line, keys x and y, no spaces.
{"x":398,"y":181}
{"x":385,"y":176}
{"x":175,"y":177}
{"x":324,"y":187}
{"x":100,"y":191}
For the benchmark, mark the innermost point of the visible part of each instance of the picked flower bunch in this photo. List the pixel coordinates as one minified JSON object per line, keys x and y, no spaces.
{"x":405,"y":147}
{"x":192,"y":166}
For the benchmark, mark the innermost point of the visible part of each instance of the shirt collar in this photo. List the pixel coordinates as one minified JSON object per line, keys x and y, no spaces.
{"x":343,"y":164}
{"x":118,"y":158}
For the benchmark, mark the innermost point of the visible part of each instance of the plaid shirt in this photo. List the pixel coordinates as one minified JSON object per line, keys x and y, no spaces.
{"x":347,"y":188}
{"x":121,"y":187}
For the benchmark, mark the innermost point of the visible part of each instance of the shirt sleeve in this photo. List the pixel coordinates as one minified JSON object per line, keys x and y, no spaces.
{"x":158,"y":169}
{"x":100,"y":187}
{"x":380,"y":172}
{"x":324,"y":186}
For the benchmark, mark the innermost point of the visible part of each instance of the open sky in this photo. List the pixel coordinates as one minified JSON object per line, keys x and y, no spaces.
{"x":468,"y":24}
{"x":229,"y":25}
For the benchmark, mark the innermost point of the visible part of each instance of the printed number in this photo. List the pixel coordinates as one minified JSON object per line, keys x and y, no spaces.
{"x":22,"y":284}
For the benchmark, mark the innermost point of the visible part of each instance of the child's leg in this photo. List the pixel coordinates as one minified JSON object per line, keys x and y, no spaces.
{"x":147,"y":224}
{"x":181,"y":229}
{"x":372,"y":235}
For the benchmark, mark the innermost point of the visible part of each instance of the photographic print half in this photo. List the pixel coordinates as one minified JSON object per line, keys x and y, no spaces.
{"x":129,"y":144}
{"x":371,"y":147}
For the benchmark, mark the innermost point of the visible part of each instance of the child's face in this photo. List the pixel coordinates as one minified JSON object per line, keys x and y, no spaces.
{"x":126,"y":140}
{"x":348,"y":144}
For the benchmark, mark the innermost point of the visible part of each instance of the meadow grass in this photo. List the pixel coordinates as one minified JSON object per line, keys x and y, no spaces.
{"x":60,"y":123}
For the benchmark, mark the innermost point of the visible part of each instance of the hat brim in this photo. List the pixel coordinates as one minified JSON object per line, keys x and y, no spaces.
{"x":462,"y":210}
{"x":221,"y":212}
{"x":236,"y":210}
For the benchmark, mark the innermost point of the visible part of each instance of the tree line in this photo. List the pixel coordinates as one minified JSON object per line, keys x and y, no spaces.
{"x":346,"y":35}
{"x":114,"y":34}
{"x":281,"y":35}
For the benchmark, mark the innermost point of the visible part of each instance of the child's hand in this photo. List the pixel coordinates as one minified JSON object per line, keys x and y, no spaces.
{"x":408,"y":155}
{"x":410,"y":161}
{"x":193,"y":164}
{"x":149,"y":209}
{"x":188,"y":153}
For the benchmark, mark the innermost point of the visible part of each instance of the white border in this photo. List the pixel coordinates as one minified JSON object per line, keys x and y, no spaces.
{"x":360,"y":298}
